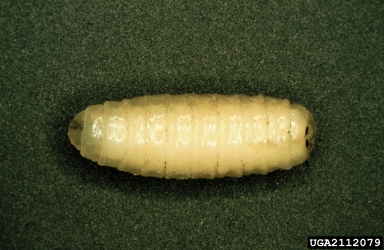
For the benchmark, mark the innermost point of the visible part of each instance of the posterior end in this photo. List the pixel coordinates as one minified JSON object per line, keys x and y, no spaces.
{"x":76,"y":129}
{"x":310,"y":133}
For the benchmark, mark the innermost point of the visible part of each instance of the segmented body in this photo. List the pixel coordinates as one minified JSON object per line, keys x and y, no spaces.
{"x":195,"y":136}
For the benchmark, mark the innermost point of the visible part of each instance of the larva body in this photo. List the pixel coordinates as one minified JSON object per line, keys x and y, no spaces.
{"x":195,"y":136}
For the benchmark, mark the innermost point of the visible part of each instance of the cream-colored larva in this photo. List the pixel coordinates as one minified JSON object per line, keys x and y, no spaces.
{"x":195,"y":136}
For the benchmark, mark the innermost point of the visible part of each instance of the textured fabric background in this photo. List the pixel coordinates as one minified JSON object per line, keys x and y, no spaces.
{"x":58,"y":57}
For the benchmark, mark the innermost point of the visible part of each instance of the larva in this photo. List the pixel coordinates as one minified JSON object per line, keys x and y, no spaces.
{"x":195,"y":136}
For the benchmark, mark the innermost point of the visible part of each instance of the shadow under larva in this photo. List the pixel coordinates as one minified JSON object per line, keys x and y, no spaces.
{"x":195,"y":136}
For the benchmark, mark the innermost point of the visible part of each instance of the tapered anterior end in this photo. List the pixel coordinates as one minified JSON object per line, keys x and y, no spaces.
{"x":76,"y":129}
{"x":310,"y":132}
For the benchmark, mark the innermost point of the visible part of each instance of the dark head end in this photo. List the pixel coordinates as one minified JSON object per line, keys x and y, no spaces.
{"x":76,"y":129}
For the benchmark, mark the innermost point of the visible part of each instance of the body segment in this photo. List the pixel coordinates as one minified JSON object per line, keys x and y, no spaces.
{"x":195,"y":136}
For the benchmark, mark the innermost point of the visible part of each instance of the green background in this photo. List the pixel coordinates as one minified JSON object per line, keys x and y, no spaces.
{"x":58,"y":57}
